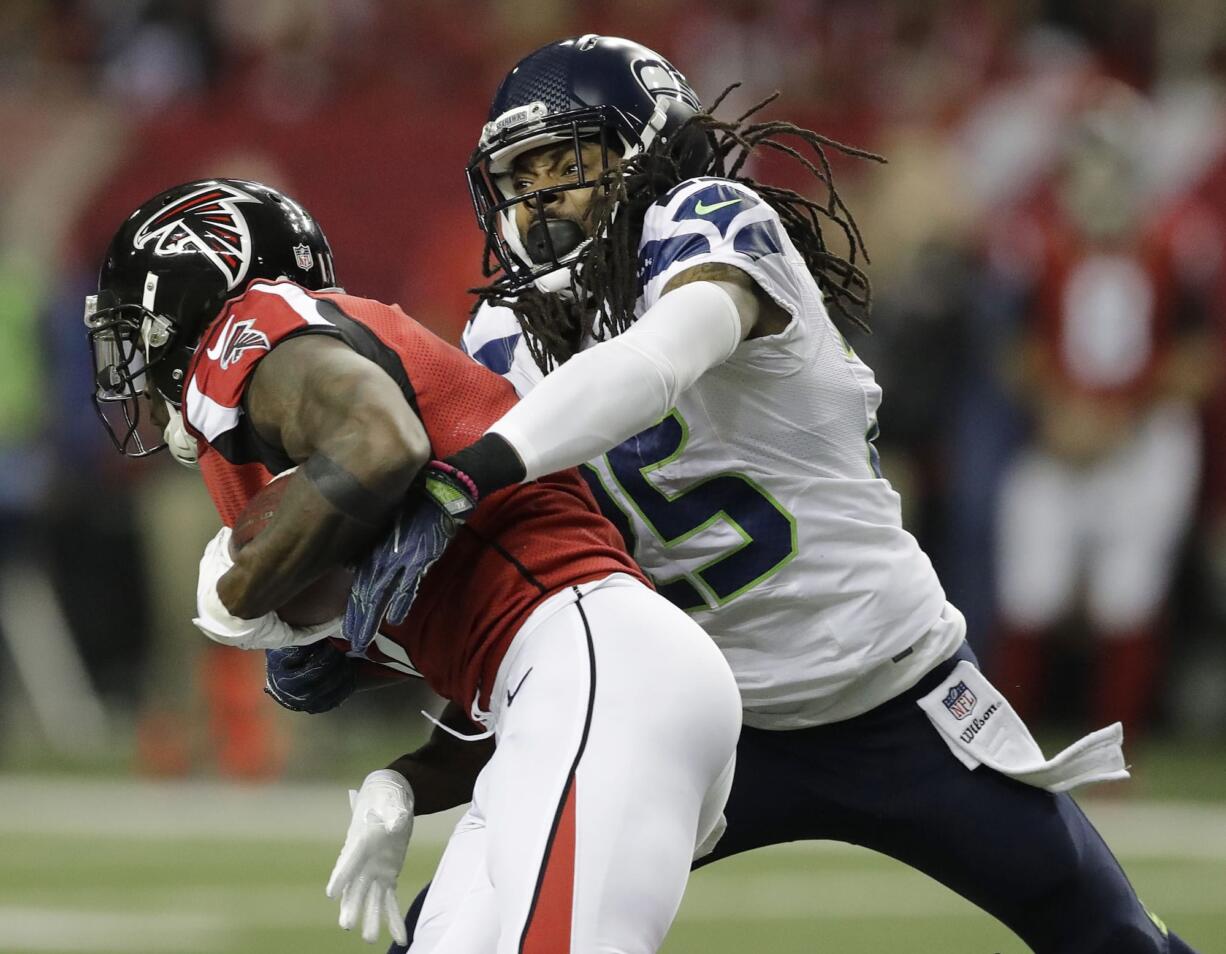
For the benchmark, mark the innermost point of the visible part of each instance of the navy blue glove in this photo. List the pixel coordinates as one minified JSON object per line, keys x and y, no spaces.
{"x":312,"y":678}
{"x":386,"y":581}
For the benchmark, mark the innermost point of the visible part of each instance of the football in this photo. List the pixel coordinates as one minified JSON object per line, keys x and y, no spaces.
{"x":320,"y":601}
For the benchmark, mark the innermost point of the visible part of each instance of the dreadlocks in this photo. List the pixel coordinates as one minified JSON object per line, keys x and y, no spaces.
{"x":605,"y":270}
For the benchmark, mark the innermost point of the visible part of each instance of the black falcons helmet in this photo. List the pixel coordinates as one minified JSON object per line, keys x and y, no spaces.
{"x":168,"y":271}
{"x":590,"y":88}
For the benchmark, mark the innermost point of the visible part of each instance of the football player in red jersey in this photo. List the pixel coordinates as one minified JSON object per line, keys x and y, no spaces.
{"x":217,"y":300}
{"x":1115,"y":357}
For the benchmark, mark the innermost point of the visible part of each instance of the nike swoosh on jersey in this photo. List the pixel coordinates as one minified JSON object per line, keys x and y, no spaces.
{"x":702,"y":209}
{"x":511,"y":695}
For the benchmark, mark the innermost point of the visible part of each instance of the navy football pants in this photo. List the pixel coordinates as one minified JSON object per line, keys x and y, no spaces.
{"x":887,"y":781}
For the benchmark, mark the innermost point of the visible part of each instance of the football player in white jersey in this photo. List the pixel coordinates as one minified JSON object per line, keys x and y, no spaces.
{"x":663,"y":318}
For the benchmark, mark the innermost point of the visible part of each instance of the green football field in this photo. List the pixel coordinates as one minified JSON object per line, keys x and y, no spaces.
{"x":113,"y":865}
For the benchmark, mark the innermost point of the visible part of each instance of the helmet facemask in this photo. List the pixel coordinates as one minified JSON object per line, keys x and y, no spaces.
{"x":544,"y":254}
{"x":134,"y":361}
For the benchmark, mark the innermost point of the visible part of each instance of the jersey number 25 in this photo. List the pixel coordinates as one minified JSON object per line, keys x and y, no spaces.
{"x":767,"y":531}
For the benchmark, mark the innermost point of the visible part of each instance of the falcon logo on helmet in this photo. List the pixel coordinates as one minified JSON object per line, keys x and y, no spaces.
{"x":206,"y":222}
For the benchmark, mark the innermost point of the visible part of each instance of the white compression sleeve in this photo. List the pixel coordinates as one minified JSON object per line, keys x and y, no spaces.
{"x":612,"y":391}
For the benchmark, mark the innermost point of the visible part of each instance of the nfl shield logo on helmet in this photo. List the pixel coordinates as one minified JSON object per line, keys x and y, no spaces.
{"x":303,"y":257}
{"x":959,"y":701}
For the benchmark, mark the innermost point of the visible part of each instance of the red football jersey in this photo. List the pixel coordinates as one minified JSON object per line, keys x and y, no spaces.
{"x":1105,"y":316}
{"x":519,"y":546}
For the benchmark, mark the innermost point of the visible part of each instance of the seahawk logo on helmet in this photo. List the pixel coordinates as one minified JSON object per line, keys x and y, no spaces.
{"x":207,"y":222}
{"x":660,"y":78}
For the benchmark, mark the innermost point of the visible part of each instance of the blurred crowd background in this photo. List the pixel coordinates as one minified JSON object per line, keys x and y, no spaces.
{"x":1048,"y":246}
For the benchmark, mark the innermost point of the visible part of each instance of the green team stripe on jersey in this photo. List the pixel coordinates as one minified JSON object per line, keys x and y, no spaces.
{"x":847,"y":348}
{"x":766,"y":528}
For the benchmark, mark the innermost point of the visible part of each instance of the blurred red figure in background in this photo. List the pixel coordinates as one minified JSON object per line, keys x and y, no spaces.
{"x":1113,"y":364}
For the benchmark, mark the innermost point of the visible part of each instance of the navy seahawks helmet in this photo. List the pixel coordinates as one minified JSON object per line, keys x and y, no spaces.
{"x":591,"y":88}
{"x":167,"y":273}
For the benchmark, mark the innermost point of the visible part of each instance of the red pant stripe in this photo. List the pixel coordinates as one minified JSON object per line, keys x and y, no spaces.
{"x":549,"y":923}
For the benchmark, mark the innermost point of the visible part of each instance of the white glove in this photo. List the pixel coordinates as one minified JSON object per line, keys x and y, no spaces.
{"x":269,"y":631}
{"x":370,"y":862}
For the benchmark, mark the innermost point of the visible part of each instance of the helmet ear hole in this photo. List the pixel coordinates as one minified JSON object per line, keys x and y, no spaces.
{"x":169,"y":373}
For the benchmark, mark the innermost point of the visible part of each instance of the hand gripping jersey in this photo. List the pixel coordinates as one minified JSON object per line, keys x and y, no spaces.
{"x":757,"y":503}
{"x":520,"y":545}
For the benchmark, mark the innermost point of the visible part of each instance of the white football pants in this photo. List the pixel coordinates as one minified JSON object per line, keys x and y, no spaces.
{"x":1113,"y":527}
{"x":617,"y":720}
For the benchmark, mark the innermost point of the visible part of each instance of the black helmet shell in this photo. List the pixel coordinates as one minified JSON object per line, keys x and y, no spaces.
{"x":171,"y":267}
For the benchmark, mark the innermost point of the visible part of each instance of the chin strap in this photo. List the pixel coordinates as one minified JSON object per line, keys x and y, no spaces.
{"x":477,"y":737}
{"x":182,"y":445}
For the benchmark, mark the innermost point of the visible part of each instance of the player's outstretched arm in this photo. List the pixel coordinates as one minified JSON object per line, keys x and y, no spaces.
{"x":444,"y":770}
{"x":437,"y":776}
{"x":365,"y":875}
{"x":612,"y":391}
{"x":358,"y":445}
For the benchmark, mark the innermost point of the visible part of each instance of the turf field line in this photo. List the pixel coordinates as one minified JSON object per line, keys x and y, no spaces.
{"x":53,"y":928}
{"x":138,"y":809}
{"x":146,"y":924}
{"x":313,"y":813}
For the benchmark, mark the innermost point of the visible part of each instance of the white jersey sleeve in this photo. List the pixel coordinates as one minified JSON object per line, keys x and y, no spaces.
{"x":717,"y":220}
{"x":494,"y":339}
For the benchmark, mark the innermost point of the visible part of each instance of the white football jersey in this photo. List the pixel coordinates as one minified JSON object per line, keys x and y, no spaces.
{"x":757,"y":504}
